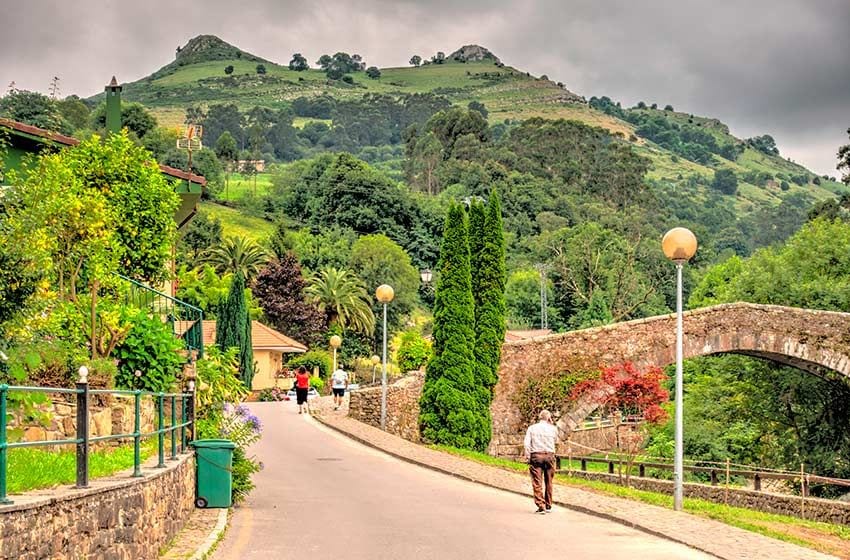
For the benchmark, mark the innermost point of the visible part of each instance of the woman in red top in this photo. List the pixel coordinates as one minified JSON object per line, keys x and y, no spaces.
{"x":302,"y":385}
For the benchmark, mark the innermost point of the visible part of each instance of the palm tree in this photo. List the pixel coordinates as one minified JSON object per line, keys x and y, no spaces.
{"x":238,"y":254}
{"x":343,"y":298}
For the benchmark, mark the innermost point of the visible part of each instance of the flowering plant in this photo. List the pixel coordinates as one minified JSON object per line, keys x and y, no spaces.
{"x":240,"y":426}
{"x":272,"y":394}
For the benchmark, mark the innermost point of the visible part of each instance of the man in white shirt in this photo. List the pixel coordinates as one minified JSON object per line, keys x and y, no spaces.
{"x":339,"y":382}
{"x":540,"y":442}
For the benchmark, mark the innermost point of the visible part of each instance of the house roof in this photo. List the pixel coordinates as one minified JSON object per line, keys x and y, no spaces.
{"x":71,"y":141}
{"x":513,"y":336}
{"x":262,"y":337}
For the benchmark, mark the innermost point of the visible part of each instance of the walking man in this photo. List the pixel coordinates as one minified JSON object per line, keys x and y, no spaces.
{"x":540,"y":441}
{"x":339,"y":383}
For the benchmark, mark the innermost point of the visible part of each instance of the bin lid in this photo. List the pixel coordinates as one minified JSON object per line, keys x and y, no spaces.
{"x":213,"y":443}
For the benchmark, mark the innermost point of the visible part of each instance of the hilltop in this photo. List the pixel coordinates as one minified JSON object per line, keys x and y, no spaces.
{"x":473,"y":73}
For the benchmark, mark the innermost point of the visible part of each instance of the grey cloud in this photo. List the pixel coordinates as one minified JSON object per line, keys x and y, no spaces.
{"x":762,"y":66}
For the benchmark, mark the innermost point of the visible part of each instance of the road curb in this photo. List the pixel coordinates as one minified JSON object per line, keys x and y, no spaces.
{"x":212,"y":539}
{"x":588,"y":511}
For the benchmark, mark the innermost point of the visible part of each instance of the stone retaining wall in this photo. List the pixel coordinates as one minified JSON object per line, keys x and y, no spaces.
{"x":117,"y":518}
{"x":828,"y":511}
{"x":108,"y":415}
{"x":402,"y":406}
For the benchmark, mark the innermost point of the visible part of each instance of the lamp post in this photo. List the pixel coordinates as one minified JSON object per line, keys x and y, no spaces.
{"x":425,"y":275}
{"x":336,"y":342}
{"x":385,"y":294}
{"x":679,"y":245}
{"x":375,"y":361}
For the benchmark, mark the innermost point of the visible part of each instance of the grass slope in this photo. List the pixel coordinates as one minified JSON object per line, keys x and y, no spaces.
{"x":235,"y":223}
{"x":197,"y":77}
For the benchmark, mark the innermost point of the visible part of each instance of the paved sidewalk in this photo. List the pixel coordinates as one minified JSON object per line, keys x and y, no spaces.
{"x":201,"y":532}
{"x":709,"y":536}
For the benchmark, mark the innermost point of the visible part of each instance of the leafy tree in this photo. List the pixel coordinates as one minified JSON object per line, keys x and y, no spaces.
{"x":298,"y":63}
{"x":74,"y":111}
{"x":204,"y":288}
{"x":479,"y":107}
{"x":261,"y":69}
{"x":415,"y":60}
{"x":765,"y":144}
{"x":330,"y":247}
{"x":228,"y":154}
{"x":35,"y":109}
{"x":451,"y":406}
{"x":426,"y":157}
{"x":344,"y":300}
{"x":414,"y":351}
{"x":668,"y":108}
{"x":152,"y":350}
{"x":134,"y":117}
{"x":380,"y":260}
{"x":596,"y":313}
{"x":220,"y":118}
{"x":373,"y":72}
{"x":324,"y":61}
{"x":488,"y":280}
{"x":439,"y":58}
{"x":160,"y":142}
{"x":228,"y":69}
{"x":725,"y":181}
{"x":447,"y":126}
{"x":844,"y":161}
{"x":203,"y":233}
{"x":280,"y":289}
{"x":238,"y":254}
{"x":522,"y":300}
{"x":233,"y":328}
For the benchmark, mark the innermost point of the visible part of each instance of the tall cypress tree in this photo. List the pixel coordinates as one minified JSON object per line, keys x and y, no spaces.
{"x":233,"y":328}
{"x":477,"y":217}
{"x":489,"y":277}
{"x":451,"y":411}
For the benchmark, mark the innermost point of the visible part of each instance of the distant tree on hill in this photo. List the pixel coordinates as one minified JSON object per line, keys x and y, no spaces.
{"x":641,"y":105}
{"x":415,"y":60}
{"x":74,"y":111}
{"x":373,"y":72}
{"x":357,"y":62}
{"x":324,"y":61}
{"x":439,"y":58}
{"x":844,"y":161}
{"x":228,"y":69}
{"x":544,"y":78}
{"x":765,"y":144}
{"x":479,"y":107}
{"x":298,"y":63}
{"x":668,"y":107}
{"x":261,"y":68}
{"x":654,"y":106}
{"x":725,"y":181}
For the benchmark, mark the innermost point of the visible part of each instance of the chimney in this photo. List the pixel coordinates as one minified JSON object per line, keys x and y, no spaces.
{"x":113,"y":107}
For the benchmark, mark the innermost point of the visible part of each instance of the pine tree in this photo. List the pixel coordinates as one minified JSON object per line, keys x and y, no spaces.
{"x":233,"y":328}
{"x":451,"y":412}
{"x":489,"y":278}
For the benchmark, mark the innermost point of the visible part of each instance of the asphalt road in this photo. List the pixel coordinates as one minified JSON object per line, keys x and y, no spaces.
{"x":323,"y":496}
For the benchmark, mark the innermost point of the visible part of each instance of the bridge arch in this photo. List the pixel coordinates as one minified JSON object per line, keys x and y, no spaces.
{"x":808,"y":339}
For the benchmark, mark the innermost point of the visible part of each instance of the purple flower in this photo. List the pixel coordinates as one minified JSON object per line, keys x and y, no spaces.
{"x":243,"y":411}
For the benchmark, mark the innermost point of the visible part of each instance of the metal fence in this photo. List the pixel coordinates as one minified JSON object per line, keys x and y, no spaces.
{"x":185,"y":427}
{"x":185,"y":319}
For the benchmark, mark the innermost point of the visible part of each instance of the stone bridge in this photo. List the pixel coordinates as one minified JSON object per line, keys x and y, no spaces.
{"x":807,"y":339}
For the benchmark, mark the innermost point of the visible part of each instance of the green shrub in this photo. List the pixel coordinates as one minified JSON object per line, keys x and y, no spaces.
{"x":243,"y":468}
{"x":150,"y":357}
{"x":317,"y":383}
{"x":311,"y":359}
{"x":272,"y":394}
{"x":414,"y":351}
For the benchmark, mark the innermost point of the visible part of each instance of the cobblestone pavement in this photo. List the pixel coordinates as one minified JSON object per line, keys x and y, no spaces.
{"x":709,"y":536}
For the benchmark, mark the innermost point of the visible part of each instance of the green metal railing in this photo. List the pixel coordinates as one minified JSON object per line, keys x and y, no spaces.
{"x":183,"y":431}
{"x":185,"y":319}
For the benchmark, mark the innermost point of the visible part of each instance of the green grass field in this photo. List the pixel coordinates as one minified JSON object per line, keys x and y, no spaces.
{"x":33,"y":468}
{"x":241,"y":186}
{"x":235,"y":223}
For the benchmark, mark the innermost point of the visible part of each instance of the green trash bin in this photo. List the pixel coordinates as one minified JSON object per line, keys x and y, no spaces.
{"x":214,"y":463}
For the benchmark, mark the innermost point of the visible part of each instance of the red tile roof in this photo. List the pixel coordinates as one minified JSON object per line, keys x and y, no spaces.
{"x":71,"y":141}
{"x":262,"y":337}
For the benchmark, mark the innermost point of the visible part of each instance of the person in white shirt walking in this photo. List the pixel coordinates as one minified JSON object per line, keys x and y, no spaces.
{"x":540,"y":439}
{"x":339,"y":383}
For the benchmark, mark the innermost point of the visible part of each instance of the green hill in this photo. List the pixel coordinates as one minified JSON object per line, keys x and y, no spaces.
{"x":197,"y":78}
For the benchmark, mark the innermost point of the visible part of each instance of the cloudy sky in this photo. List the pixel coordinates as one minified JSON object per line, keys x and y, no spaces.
{"x":780,"y":67}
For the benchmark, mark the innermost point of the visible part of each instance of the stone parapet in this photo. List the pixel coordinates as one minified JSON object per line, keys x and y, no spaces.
{"x":116,"y":518}
{"x":402,"y":406}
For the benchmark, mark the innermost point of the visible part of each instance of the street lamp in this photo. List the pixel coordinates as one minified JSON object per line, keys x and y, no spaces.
{"x":425,"y":274}
{"x":679,"y":245}
{"x":375,"y":361}
{"x":385,"y":294}
{"x":336,"y":342}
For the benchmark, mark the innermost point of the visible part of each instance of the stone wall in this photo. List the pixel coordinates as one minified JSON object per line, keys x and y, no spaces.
{"x":108,"y":415}
{"x":116,"y":518}
{"x":402,"y":406}
{"x":828,"y":511}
